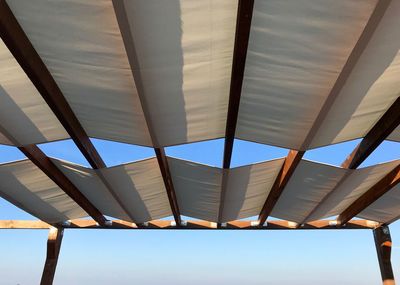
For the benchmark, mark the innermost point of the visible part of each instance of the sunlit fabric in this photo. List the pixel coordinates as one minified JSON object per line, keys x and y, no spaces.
{"x":26,"y":186}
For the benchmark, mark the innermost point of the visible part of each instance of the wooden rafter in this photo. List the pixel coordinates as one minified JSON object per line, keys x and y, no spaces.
{"x":124,"y":27}
{"x":50,"y":169}
{"x":351,"y":62}
{"x":189,"y":225}
{"x":243,"y":24}
{"x":374,"y":193}
{"x":242,"y":35}
{"x":53,"y":250}
{"x":288,"y":167}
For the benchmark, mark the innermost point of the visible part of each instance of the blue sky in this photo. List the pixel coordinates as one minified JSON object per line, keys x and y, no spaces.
{"x":196,"y":257}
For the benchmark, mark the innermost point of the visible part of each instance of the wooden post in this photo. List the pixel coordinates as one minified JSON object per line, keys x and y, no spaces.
{"x":383,"y":243}
{"x":53,"y":250}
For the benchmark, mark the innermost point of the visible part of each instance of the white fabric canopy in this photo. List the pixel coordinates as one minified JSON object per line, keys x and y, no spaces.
{"x":26,"y":186}
{"x":90,"y":185}
{"x":141,"y":188}
{"x":296,"y":51}
{"x":25,"y":117}
{"x":197,"y":188}
{"x":81,"y":45}
{"x":371,"y":88}
{"x":357,"y":183}
{"x":309,"y":184}
{"x":184,"y":51}
{"x":386,"y":209}
{"x":248,"y":188}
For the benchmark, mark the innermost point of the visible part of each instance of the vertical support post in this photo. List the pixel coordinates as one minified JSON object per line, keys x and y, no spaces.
{"x":53,"y":250}
{"x":383,"y":244}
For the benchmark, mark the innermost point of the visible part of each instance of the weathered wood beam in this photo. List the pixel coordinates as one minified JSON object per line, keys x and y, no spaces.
{"x":243,"y":24}
{"x":389,"y":181}
{"x":22,"y":49}
{"x":287,"y":170}
{"x":50,"y":169}
{"x":129,"y":44}
{"x":242,"y":35}
{"x":383,"y":244}
{"x":382,"y":129}
{"x":190,"y":225}
{"x":53,"y":250}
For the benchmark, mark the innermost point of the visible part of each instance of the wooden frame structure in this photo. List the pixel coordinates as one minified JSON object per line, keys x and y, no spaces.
{"x":28,"y":58}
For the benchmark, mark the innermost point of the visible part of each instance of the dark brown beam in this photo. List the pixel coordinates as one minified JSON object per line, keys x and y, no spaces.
{"x":53,"y":250}
{"x":51,"y":170}
{"x":19,"y":45}
{"x":242,"y":35}
{"x":374,"y":193}
{"x":382,"y":129}
{"x":243,"y":24}
{"x":190,"y":225}
{"x":383,"y":244}
{"x":164,"y":168}
{"x":129,"y":44}
{"x":287,"y":170}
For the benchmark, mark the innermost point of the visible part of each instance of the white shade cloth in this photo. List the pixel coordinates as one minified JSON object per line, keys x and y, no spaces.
{"x":296,"y":51}
{"x":248,"y":188}
{"x":309,"y":184}
{"x":81,"y":45}
{"x":25,"y":117}
{"x":184,"y":51}
{"x":26,"y":186}
{"x":354,"y":186}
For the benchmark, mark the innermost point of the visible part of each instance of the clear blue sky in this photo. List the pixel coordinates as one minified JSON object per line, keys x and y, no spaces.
{"x":196,"y":257}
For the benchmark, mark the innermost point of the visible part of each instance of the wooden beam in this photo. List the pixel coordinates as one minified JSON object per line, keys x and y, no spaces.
{"x":129,"y":44}
{"x":287,"y":170}
{"x":389,"y":181}
{"x":190,"y":225}
{"x":243,"y":24}
{"x":50,"y":169}
{"x":53,"y":250}
{"x":383,"y":244}
{"x":242,"y":35}
{"x":19,"y":45}
{"x":382,"y":129}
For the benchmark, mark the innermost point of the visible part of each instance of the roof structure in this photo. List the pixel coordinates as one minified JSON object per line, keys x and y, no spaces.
{"x":295,"y":74}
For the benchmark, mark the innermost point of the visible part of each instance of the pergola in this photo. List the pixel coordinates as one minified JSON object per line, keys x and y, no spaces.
{"x":297,"y":74}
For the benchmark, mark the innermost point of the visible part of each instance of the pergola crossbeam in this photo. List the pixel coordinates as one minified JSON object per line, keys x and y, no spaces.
{"x":190,"y":225}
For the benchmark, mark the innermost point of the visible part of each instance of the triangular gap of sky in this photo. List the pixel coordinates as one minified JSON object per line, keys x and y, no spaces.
{"x":337,"y":153}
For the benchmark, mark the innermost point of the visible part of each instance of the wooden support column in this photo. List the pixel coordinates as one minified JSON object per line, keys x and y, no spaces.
{"x":383,"y":243}
{"x":53,"y":250}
